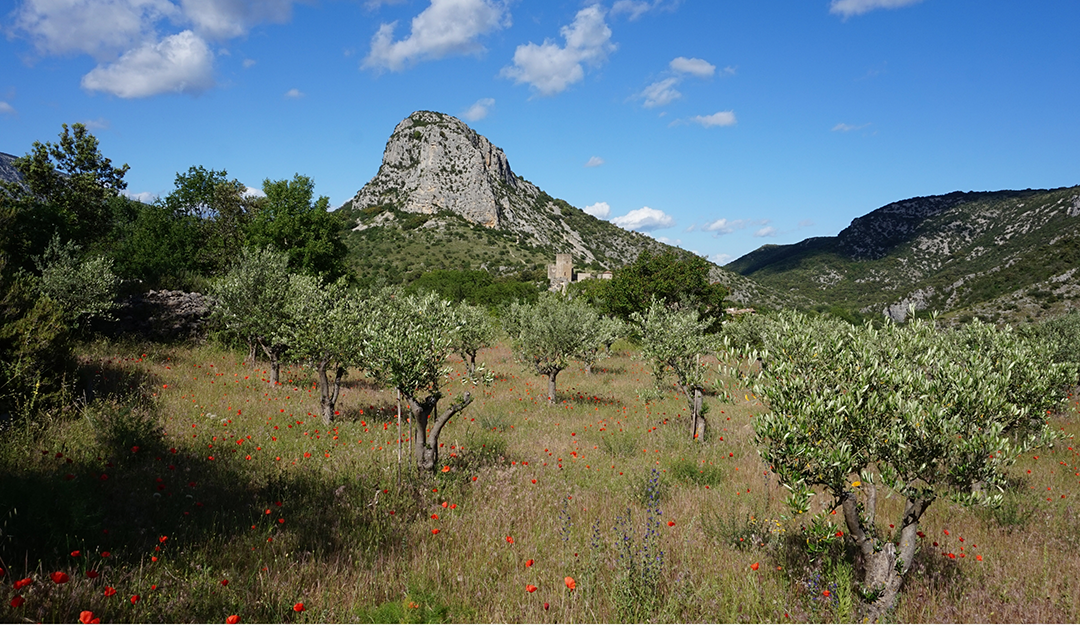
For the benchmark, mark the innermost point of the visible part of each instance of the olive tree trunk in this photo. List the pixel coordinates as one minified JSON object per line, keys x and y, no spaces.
{"x":274,"y":352}
{"x":329,"y":392}
{"x":883,"y":565}
{"x":426,"y":444}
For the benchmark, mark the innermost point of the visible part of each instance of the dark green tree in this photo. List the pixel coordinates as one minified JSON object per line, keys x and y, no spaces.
{"x":221,"y":209}
{"x":677,"y":282}
{"x":292,"y":221}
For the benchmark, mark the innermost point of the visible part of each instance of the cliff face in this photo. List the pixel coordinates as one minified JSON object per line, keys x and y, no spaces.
{"x":8,"y":173}
{"x":434,"y":162}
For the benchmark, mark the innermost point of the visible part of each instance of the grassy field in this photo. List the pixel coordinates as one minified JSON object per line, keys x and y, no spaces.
{"x":189,"y":490}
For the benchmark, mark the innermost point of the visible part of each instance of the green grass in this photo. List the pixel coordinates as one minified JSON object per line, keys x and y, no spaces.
{"x":189,"y":470}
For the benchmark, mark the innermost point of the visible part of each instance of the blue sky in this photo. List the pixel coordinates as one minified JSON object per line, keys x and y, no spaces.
{"x":717,"y":125}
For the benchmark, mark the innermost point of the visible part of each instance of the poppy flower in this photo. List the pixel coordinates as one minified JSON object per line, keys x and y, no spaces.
{"x":839,"y":534}
{"x":86,"y":616}
{"x":671,"y":523}
{"x":134,"y":599}
{"x":109,"y":591}
{"x":17,"y":601}
{"x":105,"y":554}
{"x":76,"y":553}
{"x":825,"y":593}
{"x":979,"y":558}
{"x":435,"y":516}
{"x":91,"y":574}
{"x":755,"y":566}
{"x":446,"y":469}
{"x":529,"y":562}
{"x":530,"y":588}
{"x":23,"y":582}
{"x":299,"y":607}
{"x":545,"y":605}
{"x":233,"y":619}
{"x":510,"y":540}
{"x":60,"y":577}
{"x":224,"y":582}
{"x":435,"y":531}
{"x":570,"y":583}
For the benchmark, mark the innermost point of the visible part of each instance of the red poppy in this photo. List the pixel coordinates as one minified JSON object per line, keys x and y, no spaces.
{"x":570,"y":583}
{"x":60,"y":577}
{"x":545,"y":605}
{"x":233,"y":619}
{"x":105,"y":554}
{"x":839,"y":534}
{"x":671,"y":523}
{"x":76,"y":553}
{"x":510,"y":539}
{"x":446,"y":469}
{"x":23,"y":582}
{"x":86,"y":616}
{"x":530,"y":588}
{"x":946,"y":532}
{"x":825,"y":593}
{"x":979,"y":558}
{"x":435,"y":516}
{"x":109,"y":591}
{"x":17,"y":601}
{"x":91,"y":574}
{"x":755,"y":566}
{"x":299,"y":607}
{"x":529,"y":562}
{"x":435,"y":531}
{"x":224,"y":582}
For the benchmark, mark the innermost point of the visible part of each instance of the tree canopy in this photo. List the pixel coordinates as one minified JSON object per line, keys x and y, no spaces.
{"x":666,"y":278}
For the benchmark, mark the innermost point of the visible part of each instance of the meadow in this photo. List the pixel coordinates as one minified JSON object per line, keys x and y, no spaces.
{"x":187,"y":489}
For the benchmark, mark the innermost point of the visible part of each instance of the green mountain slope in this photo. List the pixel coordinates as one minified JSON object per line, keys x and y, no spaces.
{"x":1007,"y":255}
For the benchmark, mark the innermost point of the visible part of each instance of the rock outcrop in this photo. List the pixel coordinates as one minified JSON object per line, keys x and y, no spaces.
{"x":8,"y":173}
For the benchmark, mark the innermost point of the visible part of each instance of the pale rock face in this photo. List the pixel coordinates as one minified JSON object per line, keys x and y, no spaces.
{"x":434,"y":162}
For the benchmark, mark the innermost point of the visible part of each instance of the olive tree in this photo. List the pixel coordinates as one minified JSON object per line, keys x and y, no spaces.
{"x":674,"y":340}
{"x":82,"y":288}
{"x":923,"y":413}
{"x":250,"y":300}
{"x":549,"y":334}
{"x":475,"y":332}
{"x":323,"y":328}
{"x":603,"y":333}
{"x":406,"y":343}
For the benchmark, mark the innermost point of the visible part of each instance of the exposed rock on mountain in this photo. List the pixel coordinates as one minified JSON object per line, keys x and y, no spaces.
{"x":1007,"y":255}
{"x":8,"y":173}
{"x":442,"y":184}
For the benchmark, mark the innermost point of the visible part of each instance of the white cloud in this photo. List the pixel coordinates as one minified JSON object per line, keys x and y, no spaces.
{"x":720,"y":259}
{"x":600,"y":210}
{"x":848,"y":127}
{"x":721,"y":118}
{"x":479,"y":110}
{"x":594,"y":161}
{"x":100,"y":28}
{"x":445,"y":28}
{"x":97,"y":124}
{"x":722,"y":226}
{"x":294,"y":94}
{"x":180,"y":63}
{"x":550,"y":68}
{"x":644,"y":219}
{"x":253,"y":192}
{"x":698,"y":67}
{"x":248,"y":63}
{"x":767,"y":231}
{"x":847,"y":8}
{"x":669,"y":241}
{"x":145,"y":197}
{"x":6,"y":108}
{"x":660,"y":93}
{"x":634,"y":9}
{"x":225,"y":19}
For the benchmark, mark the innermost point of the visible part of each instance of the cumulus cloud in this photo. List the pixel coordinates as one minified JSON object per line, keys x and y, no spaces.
{"x":294,"y":94}
{"x":6,"y":108}
{"x":253,"y":192}
{"x":720,"y":259}
{"x":129,"y":38}
{"x":669,"y":241}
{"x":847,"y":8}
{"x":697,"y":67}
{"x":767,"y":231}
{"x":600,"y":210}
{"x":644,"y":219}
{"x":595,"y":161}
{"x":721,"y":227}
{"x":848,"y":127}
{"x":550,"y":68}
{"x":145,"y":197}
{"x":661,"y":93}
{"x":479,"y":110}
{"x":633,"y":9}
{"x":721,"y":118}
{"x":446,"y":27}
{"x":180,"y":63}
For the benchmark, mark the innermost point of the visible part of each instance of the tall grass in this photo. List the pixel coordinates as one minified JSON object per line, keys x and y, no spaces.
{"x":189,"y":471}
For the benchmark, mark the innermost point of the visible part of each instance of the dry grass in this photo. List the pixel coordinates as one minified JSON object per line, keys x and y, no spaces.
{"x":234,"y":480}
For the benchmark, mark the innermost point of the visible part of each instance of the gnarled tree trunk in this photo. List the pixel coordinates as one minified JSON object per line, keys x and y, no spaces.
{"x":328,"y":394}
{"x":426,"y":444}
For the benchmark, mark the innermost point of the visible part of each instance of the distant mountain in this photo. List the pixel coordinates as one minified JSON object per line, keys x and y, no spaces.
{"x":8,"y":173}
{"x":445,"y":198}
{"x":1002,"y":256}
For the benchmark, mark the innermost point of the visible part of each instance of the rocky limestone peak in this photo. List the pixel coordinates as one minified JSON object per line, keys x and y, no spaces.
{"x":434,"y":162}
